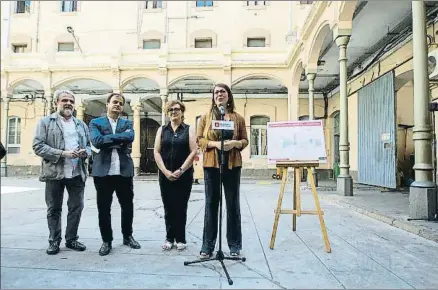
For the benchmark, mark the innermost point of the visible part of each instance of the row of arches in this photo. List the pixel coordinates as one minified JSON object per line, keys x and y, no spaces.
{"x":146,"y":84}
{"x":93,"y":92}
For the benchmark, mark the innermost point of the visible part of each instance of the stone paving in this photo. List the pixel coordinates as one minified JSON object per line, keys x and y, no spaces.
{"x":366,"y":253}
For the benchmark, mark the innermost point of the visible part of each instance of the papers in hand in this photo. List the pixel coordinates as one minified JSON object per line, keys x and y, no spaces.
{"x":222,"y":125}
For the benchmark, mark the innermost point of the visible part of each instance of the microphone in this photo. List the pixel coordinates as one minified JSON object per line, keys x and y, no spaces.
{"x":222,"y":110}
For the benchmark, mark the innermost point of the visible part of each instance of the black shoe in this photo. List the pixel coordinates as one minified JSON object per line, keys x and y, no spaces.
{"x":75,"y":245}
{"x":131,"y":242}
{"x":53,"y":248}
{"x":105,"y":248}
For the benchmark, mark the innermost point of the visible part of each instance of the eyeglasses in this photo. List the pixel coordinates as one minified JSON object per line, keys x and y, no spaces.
{"x":176,"y":110}
{"x":220,"y":91}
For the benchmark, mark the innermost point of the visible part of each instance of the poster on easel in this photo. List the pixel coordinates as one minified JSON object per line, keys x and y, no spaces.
{"x":296,"y":141}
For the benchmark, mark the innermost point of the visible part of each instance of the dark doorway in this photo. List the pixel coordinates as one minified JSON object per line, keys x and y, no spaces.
{"x":148,"y":130}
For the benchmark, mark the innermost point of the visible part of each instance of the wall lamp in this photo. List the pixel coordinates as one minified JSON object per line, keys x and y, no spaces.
{"x":72,"y":32}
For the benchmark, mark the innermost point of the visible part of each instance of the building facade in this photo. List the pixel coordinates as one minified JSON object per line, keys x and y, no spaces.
{"x":350,"y":63}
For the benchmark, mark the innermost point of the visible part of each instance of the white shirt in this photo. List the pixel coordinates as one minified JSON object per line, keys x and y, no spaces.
{"x":71,"y":166}
{"x":115,"y":160}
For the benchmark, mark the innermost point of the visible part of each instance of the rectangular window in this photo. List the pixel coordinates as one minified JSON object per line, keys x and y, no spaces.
{"x":66,"y":46}
{"x":152,"y":44}
{"x":19,"y":48}
{"x":154,"y":4}
{"x":203,"y":43}
{"x":69,"y":6}
{"x":14,"y":135}
{"x":255,"y":3}
{"x":256,"y":42}
{"x":22,"y":6}
{"x":259,"y":138}
{"x":204,"y":3}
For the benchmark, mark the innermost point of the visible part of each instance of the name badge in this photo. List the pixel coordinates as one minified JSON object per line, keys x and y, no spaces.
{"x":222,"y":125}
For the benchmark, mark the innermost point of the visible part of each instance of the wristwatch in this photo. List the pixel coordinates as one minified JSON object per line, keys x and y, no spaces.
{"x":182,"y":170}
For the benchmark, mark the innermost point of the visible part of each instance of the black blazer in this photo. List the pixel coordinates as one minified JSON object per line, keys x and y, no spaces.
{"x":102,"y":138}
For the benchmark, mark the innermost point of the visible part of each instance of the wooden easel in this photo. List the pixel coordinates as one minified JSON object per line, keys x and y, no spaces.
{"x":296,"y":211}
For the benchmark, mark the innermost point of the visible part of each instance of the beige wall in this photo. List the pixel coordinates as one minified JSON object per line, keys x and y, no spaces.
{"x":122,"y":25}
{"x":111,"y":54}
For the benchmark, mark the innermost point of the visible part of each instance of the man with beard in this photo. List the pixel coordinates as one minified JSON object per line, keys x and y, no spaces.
{"x":113,"y":170}
{"x":63,"y":143}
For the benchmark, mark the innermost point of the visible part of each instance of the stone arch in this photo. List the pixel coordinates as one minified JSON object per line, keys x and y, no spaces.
{"x":203,"y":34}
{"x":315,"y":49}
{"x":403,"y":78}
{"x":141,"y":82}
{"x":255,"y":75}
{"x":346,"y":10}
{"x":188,"y":85}
{"x":26,"y":86}
{"x":63,"y":82}
{"x":297,"y":73}
{"x":255,"y":33}
{"x":259,"y":83}
{"x":180,"y":78}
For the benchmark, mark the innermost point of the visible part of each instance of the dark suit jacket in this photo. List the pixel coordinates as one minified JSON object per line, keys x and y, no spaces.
{"x":102,"y":138}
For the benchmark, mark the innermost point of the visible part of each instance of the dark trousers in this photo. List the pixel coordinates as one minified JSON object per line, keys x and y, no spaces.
{"x":75,"y":203}
{"x":231,"y":184}
{"x":175,"y":196}
{"x":124,"y":188}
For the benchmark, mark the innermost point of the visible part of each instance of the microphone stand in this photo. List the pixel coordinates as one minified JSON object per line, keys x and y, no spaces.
{"x":220,"y":254}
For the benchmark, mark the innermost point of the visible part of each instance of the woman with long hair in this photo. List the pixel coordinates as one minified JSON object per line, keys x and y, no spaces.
{"x":174,"y":151}
{"x":234,"y":142}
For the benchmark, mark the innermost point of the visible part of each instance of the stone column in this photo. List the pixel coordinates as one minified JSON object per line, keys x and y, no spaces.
{"x":4,"y":167}
{"x":311,"y":79}
{"x":422,"y":195}
{"x":344,"y":181}
{"x":80,"y":110}
{"x":163,"y":95}
{"x":136,"y":152}
{"x":49,"y":102}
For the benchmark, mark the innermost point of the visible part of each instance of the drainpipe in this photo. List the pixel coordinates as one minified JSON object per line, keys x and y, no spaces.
{"x":8,"y":23}
{"x":166,"y":25}
{"x":37,"y":38}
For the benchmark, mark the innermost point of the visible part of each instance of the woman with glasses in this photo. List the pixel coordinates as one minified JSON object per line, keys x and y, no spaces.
{"x":234,"y":142}
{"x":174,"y":152}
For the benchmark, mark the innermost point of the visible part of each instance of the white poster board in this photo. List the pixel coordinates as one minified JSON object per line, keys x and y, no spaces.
{"x":296,"y":141}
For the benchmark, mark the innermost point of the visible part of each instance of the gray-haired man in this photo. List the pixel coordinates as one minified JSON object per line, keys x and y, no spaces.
{"x":63,"y":143}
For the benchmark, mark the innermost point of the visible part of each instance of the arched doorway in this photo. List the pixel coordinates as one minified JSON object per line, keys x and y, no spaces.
{"x":149,"y":128}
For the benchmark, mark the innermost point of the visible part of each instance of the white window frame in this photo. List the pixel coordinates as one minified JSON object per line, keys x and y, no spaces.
{"x":255,"y":38}
{"x":16,"y":136}
{"x":16,"y":46}
{"x":202,"y":39}
{"x":259,"y":128}
{"x":66,"y":50}
{"x":255,"y":3}
{"x":74,"y":6}
{"x":157,"y":4}
{"x":151,"y":40}
{"x":26,"y":7}
{"x":205,"y":4}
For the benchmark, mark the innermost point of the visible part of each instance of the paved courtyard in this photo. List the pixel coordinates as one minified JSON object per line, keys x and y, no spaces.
{"x":365,"y":253}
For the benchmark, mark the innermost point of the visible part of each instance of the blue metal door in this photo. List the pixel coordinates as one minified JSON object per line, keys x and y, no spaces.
{"x":377,"y":133}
